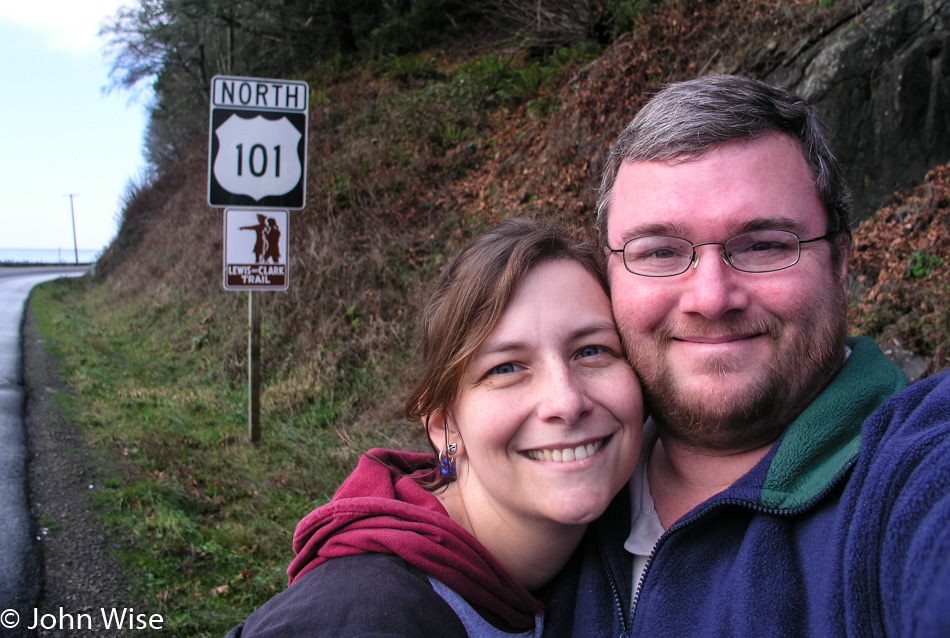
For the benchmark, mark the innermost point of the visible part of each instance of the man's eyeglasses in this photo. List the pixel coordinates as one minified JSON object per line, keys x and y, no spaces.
{"x":754,"y":251}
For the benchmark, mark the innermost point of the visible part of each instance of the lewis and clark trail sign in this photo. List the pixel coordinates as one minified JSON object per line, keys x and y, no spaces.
{"x":255,"y":249}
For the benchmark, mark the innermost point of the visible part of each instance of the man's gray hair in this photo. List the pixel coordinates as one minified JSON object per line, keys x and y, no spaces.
{"x":688,"y":119}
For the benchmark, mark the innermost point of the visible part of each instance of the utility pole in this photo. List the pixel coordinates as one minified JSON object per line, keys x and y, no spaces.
{"x":73,"y":215}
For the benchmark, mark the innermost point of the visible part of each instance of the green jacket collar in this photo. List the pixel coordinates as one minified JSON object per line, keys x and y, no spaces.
{"x":824,"y":440}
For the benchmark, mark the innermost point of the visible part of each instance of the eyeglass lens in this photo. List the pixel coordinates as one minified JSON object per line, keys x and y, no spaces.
{"x":755,"y":251}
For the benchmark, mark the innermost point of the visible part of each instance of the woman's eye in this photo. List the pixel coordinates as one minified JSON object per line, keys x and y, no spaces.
{"x":590,"y":351}
{"x":505,"y":368}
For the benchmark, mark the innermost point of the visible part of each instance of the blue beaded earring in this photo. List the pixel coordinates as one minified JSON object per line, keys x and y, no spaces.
{"x":446,"y":462}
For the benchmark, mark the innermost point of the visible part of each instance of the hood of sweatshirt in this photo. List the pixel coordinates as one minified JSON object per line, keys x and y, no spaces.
{"x":381,"y":508}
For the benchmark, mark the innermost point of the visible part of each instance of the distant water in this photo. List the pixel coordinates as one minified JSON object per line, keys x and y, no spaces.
{"x":46,"y":255}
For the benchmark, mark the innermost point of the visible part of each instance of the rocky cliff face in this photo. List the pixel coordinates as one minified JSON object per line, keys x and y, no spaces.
{"x":880,"y":75}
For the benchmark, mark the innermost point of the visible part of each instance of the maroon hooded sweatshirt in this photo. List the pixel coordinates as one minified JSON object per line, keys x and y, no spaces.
{"x":381,"y":508}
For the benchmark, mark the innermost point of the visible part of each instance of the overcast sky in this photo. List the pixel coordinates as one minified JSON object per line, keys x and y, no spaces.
{"x":60,"y":133}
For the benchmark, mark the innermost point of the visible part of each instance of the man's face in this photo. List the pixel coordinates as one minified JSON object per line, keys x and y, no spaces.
{"x":728,"y":359}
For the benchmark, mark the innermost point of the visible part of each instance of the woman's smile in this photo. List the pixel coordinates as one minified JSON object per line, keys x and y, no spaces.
{"x":567,"y":453}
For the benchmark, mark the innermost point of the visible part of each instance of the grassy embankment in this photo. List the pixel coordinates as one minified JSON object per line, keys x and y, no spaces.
{"x":203,"y":519}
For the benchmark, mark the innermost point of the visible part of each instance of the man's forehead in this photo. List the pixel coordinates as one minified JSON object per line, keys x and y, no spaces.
{"x":736,"y":187}
{"x":726,"y":228}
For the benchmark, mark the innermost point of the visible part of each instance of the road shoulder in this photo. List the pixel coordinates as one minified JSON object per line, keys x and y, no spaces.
{"x":80,"y":574}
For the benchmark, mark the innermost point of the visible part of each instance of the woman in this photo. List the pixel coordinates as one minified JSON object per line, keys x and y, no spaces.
{"x":536,"y":419}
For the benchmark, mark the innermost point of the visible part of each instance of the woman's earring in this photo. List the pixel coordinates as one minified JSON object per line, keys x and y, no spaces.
{"x":446,"y":462}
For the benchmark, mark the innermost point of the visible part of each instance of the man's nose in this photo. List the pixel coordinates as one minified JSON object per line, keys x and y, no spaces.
{"x":711,"y":287}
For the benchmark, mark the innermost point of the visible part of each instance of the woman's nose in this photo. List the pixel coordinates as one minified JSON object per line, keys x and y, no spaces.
{"x":564,"y":395}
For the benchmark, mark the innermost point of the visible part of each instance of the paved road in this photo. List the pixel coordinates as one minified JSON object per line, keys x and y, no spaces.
{"x":19,"y":566}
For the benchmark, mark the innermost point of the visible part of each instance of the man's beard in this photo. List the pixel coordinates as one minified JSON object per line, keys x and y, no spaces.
{"x":801,"y":366}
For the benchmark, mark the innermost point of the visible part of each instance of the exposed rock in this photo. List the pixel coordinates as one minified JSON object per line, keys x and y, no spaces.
{"x":881,"y":79}
{"x":913,"y":366}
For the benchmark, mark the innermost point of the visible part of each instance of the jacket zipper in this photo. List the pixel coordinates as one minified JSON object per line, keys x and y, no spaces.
{"x":618,"y":603}
{"x":634,"y":599}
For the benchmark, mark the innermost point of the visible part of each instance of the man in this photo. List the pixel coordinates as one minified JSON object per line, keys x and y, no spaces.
{"x":789,"y":485}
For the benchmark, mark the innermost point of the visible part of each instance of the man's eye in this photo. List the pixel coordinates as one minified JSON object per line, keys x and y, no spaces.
{"x":763,"y":246}
{"x":660,"y":253}
{"x":589,"y":351}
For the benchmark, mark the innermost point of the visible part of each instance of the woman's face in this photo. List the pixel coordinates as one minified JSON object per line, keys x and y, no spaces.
{"x":549,"y":414}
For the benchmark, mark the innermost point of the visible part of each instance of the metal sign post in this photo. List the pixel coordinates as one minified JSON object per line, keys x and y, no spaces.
{"x":254,"y":366}
{"x":257,"y":163}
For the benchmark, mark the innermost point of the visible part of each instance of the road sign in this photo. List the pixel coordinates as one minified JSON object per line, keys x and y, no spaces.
{"x":258,"y":143}
{"x":255,"y":249}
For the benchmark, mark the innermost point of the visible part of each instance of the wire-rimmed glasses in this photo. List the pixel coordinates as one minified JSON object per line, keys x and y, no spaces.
{"x":754,"y":251}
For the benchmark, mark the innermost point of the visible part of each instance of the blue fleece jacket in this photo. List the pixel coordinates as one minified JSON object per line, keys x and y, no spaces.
{"x":842,"y":529}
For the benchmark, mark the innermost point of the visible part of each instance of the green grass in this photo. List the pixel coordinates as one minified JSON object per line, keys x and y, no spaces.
{"x":203,"y":518}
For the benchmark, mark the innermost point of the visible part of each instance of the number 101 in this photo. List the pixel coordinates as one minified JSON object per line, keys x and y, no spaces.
{"x":257,"y":160}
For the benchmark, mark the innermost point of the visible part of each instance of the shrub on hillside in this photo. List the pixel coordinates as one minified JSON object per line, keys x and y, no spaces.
{"x":900,"y":272}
